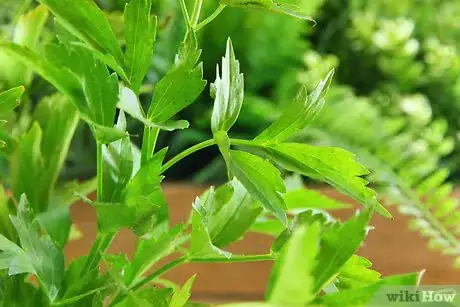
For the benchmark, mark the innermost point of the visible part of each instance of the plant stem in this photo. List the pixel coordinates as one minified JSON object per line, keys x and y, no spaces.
{"x":238,"y":258}
{"x":100,"y":182}
{"x":183,"y":7}
{"x":196,"y":13}
{"x":100,"y":245}
{"x":148,"y":144}
{"x":167,"y":267}
{"x":216,"y":13}
{"x":246,"y":143}
{"x":102,"y":241}
{"x":187,"y":152}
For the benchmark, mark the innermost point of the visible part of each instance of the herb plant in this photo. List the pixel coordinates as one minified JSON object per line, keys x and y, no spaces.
{"x":99,"y":82}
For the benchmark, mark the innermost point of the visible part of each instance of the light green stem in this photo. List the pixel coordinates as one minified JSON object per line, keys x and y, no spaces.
{"x":183,"y":7}
{"x":167,"y":267}
{"x":213,"y":16}
{"x":187,"y":152}
{"x":196,"y":13}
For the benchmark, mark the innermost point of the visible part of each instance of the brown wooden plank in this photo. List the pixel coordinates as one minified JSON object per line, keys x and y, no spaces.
{"x":391,"y":247}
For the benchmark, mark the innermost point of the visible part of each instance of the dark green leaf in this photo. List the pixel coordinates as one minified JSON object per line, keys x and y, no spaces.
{"x":262,"y":180}
{"x":297,"y":115}
{"x":228,"y":92}
{"x":80,"y":288}
{"x":140,"y":32}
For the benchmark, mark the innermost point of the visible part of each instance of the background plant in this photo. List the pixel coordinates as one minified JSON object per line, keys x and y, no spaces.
{"x":98,"y":81}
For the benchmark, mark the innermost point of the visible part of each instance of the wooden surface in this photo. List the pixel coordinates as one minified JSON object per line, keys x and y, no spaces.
{"x":390,"y":246}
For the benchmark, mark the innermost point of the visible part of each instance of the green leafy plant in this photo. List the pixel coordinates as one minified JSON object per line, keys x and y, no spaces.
{"x":99,"y":82}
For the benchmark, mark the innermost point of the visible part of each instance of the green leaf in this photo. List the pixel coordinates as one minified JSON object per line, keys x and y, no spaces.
{"x":201,"y":246}
{"x":363,"y":295}
{"x":269,"y":5}
{"x":80,"y":286}
{"x":298,"y":114}
{"x":356,"y":273}
{"x":86,"y":21}
{"x":150,"y":250}
{"x":338,"y":244}
{"x":63,"y":80}
{"x":117,"y":166}
{"x":261,"y":179}
{"x":295,"y":283}
{"x":232,"y":215}
{"x":140,"y":33}
{"x":181,"y":86}
{"x":41,"y":153}
{"x":99,"y":86}
{"x":37,"y":255}
{"x":228,"y":92}
{"x":29,"y":163}
{"x":189,"y":53}
{"x":15,"y":291}
{"x":181,"y":296}
{"x":332,"y":165}
{"x":129,"y":102}
{"x":138,"y":204}
{"x":148,"y":297}
{"x":57,"y":224}
{"x":310,"y":199}
{"x":10,"y":99}
{"x":26,"y":33}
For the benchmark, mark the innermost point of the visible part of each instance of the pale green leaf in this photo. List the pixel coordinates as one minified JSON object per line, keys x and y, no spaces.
{"x":41,"y":153}
{"x":295,"y":283}
{"x":228,"y":92}
{"x":26,"y":33}
{"x":181,"y":296}
{"x":59,"y":77}
{"x":10,"y":99}
{"x":300,"y":199}
{"x":129,"y":102}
